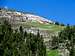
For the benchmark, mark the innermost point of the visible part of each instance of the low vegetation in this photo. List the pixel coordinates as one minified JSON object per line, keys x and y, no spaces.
{"x":49,"y":27}
{"x":53,"y":53}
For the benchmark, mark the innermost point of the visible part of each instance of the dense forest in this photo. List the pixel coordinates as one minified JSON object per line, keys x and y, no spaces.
{"x":19,"y":42}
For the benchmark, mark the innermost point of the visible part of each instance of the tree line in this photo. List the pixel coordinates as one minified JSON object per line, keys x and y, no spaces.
{"x":19,"y":42}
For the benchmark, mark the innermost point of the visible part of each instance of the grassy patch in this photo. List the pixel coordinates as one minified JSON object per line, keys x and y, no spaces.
{"x":52,"y":53}
{"x":49,"y":27}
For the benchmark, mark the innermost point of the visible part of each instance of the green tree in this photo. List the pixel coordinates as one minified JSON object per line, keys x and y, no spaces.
{"x":55,"y":42}
{"x":20,"y":43}
{"x":68,"y":36}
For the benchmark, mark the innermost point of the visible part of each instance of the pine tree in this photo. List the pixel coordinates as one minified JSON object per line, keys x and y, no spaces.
{"x":68,"y":36}
{"x":20,"y":43}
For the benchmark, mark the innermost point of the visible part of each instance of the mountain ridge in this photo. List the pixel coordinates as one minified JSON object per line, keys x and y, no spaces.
{"x":30,"y":16}
{"x":32,"y":20}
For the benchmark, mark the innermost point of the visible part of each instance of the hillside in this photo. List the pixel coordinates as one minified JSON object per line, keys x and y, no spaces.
{"x":29,"y":20}
{"x":31,"y":23}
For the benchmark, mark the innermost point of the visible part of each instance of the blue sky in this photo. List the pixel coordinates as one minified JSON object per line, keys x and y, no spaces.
{"x":62,"y":11}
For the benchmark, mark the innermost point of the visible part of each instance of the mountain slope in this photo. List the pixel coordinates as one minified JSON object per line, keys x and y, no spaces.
{"x":31,"y":23}
{"x":29,"y":20}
